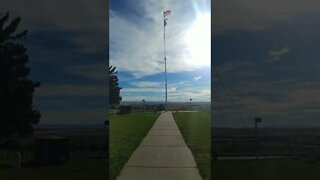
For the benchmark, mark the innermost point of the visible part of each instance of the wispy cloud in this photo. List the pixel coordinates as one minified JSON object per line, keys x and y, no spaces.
{"x":146,"y":84}
{"x":66,"y":43}
{"x":256,"y":15}
{"x":69,"y":90}
{"x":138,"y":48}
{"x":179,"y":91}
{"x":281,"y":83}
{"x":180,"y":95}
{"x":276,"y":54}
{"x":96,"y":71}
{"x":197,"y":78}
{"x":87,"y":19}
{"x":147,"y":90}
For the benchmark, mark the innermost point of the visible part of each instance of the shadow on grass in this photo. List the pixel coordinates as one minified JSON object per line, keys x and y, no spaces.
{"x":34,"y":164}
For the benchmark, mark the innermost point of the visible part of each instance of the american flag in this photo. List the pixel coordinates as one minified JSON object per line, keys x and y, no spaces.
{"x":166,"y":13}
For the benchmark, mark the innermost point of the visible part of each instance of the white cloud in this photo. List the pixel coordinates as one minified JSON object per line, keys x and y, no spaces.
{"x":200,"y":96}
{"x":86,"y":19}
{"x":51,"y":90}
{"x":97,"y":71}
{"x":146,"y":84}
{"x":279,"y":52}
{"x":197,"y":78}
{"x":176,"y":92}
{"x":147,"y":90}
{"x":259,"y":14}
{"x":138,"y":48}
{"x":276,"y":54}
{"x":234,"y":67}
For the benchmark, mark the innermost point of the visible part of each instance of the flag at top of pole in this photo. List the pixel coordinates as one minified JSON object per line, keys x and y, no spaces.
{"x":166,"y":13}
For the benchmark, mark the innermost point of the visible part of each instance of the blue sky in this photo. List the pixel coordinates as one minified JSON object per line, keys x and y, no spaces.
{"x":267,"y":55}
{"x":136,"y":49}
{"x":67,"y":47}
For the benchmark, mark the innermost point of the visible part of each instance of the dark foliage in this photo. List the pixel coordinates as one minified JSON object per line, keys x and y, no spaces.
{"x":114,"y":89}
{"x":16,"y":93}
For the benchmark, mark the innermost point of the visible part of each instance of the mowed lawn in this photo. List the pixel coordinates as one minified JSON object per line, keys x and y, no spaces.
{"x":73,"y":170}
{"x":126,"y":133}
{"x":195,"y":129}
{"x":266,"y":169}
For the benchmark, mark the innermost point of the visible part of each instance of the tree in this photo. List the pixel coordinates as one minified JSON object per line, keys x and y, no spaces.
{"x":114,"y":89}
{"x":16,"y":92}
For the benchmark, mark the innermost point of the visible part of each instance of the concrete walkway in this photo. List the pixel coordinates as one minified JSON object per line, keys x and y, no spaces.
{"x":162,"y":155}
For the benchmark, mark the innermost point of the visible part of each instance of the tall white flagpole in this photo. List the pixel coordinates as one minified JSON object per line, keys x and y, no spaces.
{"x":165,"y":58}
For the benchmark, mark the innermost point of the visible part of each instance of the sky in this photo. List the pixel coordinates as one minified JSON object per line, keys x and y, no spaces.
{"x":136,"y":49}
{"x":67,"y":47}
{"x":267,"y":55}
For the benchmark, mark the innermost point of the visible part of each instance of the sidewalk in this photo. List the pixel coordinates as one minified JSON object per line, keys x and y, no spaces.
{"x":162,"y":155}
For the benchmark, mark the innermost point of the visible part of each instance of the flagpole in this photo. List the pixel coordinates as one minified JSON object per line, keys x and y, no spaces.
{"x":165,"y":59}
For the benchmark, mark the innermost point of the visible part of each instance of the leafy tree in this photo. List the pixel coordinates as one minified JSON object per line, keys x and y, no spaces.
{"x":114,"y":89}
{"x":16,"y":92}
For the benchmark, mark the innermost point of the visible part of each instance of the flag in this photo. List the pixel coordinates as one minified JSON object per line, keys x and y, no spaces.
{"x":165,"y":22}
{"x":166,"y":13}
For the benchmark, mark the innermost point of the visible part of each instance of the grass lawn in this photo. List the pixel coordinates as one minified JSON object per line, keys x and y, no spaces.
{"x":195,"y":128}
{"x":126,"y":133}
{"x":266,"y":169}
{"x":73,"y":170}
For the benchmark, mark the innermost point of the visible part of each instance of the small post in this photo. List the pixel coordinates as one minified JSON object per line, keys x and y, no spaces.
{"x":256,"y":121}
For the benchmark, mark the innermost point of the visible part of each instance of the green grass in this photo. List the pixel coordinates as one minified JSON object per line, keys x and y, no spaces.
{"x":195,"y":128}
{"x":266,"y":169}
{"x":126,"y":133}
{"x":72,"y":170}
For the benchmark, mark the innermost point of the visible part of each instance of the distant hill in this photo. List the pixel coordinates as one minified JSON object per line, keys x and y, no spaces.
{"x":161,"y":102}
{"x":172,"y":106}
